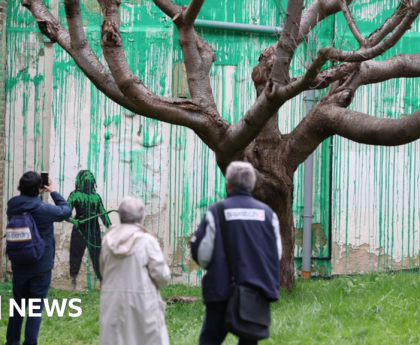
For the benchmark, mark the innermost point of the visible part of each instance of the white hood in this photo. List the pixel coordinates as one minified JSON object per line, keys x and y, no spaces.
{"x":122,"y":239}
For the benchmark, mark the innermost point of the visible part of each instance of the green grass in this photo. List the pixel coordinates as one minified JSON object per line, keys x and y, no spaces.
{"x":368,"y":309}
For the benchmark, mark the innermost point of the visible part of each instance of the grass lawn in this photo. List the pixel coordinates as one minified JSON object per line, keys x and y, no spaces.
{"x":368,"y":309}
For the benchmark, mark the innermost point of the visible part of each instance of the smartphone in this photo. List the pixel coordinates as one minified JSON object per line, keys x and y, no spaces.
{"x":44,"y":178}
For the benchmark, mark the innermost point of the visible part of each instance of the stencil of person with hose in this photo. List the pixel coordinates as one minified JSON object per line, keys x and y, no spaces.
{"x":86,"y":231}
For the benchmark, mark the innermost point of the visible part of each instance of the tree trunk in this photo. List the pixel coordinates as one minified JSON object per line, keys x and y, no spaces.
{"x":287,"y":230}
{"x":281,"y":202}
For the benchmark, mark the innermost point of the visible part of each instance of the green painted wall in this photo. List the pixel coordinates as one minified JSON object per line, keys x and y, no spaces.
{"x":57,"y":121}
{"x":376,"y":190}
{"x":3,"y":53}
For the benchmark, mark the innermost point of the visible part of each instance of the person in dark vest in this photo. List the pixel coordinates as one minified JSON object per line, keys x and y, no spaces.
{"x":33,"y":280}
{"x":255,"y":246}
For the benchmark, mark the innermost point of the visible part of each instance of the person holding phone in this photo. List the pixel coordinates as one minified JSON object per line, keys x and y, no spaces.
{"x":33,"y":280}
{"x":45,"y":178}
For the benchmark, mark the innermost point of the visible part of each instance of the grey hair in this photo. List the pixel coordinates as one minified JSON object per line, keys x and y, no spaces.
{"x":241,"y":176}
{"x":131,"y":210}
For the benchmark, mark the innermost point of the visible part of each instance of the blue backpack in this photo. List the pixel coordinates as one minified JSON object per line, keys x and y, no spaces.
{"x":24,"y":244}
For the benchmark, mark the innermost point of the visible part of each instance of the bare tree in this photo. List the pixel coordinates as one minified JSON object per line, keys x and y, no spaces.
{"x":256,"y":137}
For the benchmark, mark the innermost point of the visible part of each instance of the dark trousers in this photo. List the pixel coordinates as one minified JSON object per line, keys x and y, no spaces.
{"x":213,"y":331}
{"x":27,"y":286}
{"x":78,"y":242}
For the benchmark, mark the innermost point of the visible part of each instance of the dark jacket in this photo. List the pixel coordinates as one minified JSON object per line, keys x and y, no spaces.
{"x":44,"y":218}
{"x":255,"y":246}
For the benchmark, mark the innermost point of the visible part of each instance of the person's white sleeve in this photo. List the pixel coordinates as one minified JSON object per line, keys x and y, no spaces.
{"x":158,"y":269}
{"x":206,"y":246}
{"x":276,"y":226}
{"x":102,"y":259}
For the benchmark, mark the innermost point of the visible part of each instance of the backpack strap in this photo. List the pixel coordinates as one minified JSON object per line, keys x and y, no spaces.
{"x":37,"y":235}
{"x":39,"y":206}
{"x":29,"y":212}
{"x":225,"y":238}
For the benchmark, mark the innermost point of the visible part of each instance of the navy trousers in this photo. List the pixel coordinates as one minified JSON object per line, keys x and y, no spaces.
{"x":27,"y":286}
{"x":213,"y":331}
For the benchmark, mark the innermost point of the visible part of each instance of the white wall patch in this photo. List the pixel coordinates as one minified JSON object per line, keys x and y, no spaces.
{"x":245,"y":214}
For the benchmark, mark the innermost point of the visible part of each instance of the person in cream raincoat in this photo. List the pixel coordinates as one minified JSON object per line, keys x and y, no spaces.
{"x":133,"y":270}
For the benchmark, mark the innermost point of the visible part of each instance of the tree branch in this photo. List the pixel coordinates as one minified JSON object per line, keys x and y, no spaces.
{"x":316,"y":79}
{"x":316,"y":13}
{"x":245,"y":130}
{"x":326,"y":120}
{"x":321,"y":9}
{"x":332,"y":54}
{"x":312,"y":16}
{"x":315,"y":127}
{"x":166,"y":6}
{"x":330,"y":116}
{"x":80,"y":51}
{"x":185,"y":17}
{"x":390,"y":24}
{"x":249,"y":126}
{"x":206,"y":53}
{"x":270,"y":100}
{"x":191,"y":12}
{"x":48,"y":25}
{"x":332,"y":74}
{"x":198,"y":57}
{"x":88,"y":62}
{"x":176,"y":111}
{"x":366,"y":129}
{"x":287,"y":42}
{"x":398,"y":66}
{"x":240,"y":135}
{"x":351,"y":23}
{"x":372,"y":52}
{"x":305,"y":82}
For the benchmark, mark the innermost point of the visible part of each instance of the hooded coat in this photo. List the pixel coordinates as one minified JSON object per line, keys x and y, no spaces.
{"x":133,"y":270}
{"x":44,"y":218}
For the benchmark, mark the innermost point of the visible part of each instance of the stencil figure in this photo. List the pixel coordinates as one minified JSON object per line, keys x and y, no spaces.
{"x":86,"y":232}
